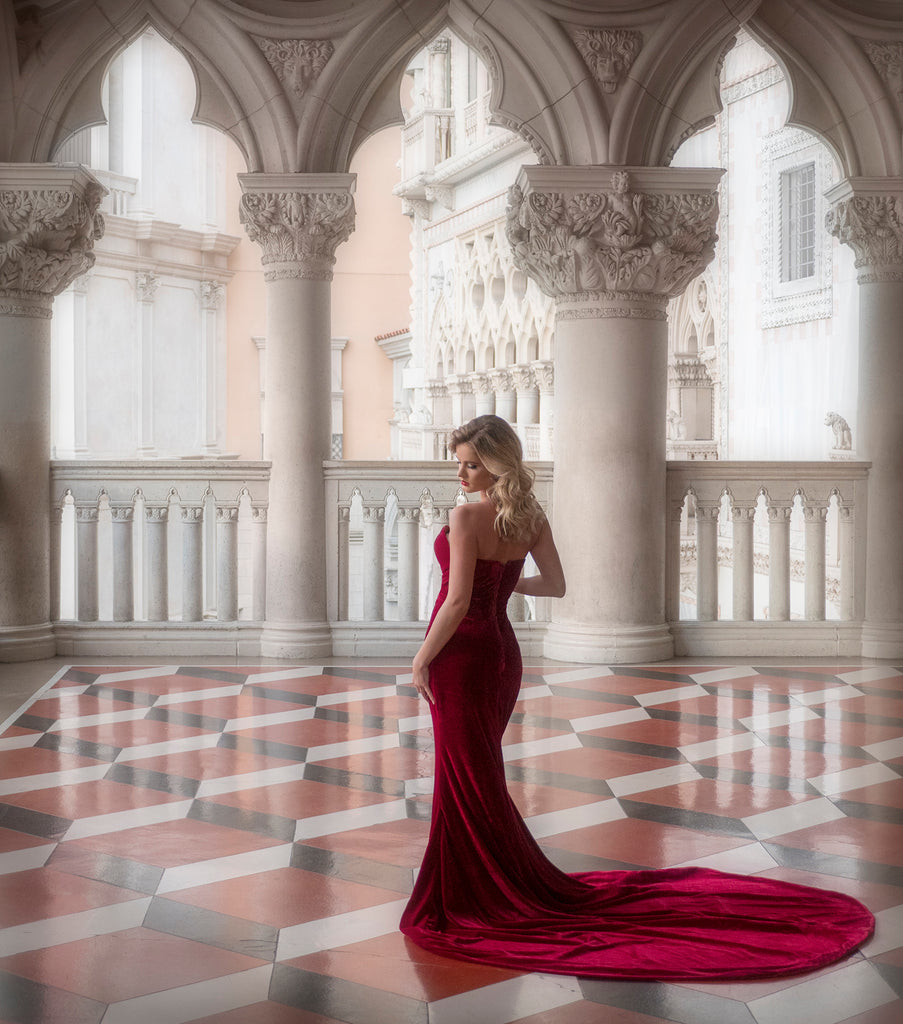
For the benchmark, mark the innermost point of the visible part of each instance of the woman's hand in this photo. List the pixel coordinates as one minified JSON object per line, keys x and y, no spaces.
{"x":420,"y":679}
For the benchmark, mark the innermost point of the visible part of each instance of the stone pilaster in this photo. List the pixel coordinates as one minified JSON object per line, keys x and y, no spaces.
{"x":299,"y":220}
{"x":611,"y":245}
{"x":49,"y":222}
{"x":867,"y":215}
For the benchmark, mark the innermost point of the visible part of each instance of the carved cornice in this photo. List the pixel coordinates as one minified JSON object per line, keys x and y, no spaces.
{"x":47,"y":233}
{"x":298,"y":63}
{"x":608,"y":53}
{"x":298,"y":230}
{"x":652,"y":242}
{"x":869,"y":218}
{"x":689,"y":371}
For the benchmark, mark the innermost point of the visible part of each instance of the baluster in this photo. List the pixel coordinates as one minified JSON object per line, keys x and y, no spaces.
{"x":123,"y":517}
{"x":707,"y":513}
{"x":672,"y":565}
{"x":157,"y":519}
{"x":846,"y":526}
{"x":742,"y":516}
{"x":259,"y":563}
{"x":192,"y":563}
{"x":342,"y":560}
{"x":227,"y":561}
{"x":86,"y":562}
{"x":815,"y":516}
{"x":408,"y":563}
{"x":373,"y":581}
{"x":779,"y":561}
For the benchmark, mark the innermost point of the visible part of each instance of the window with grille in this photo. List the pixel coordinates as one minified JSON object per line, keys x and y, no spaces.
{"x":798,"y":200}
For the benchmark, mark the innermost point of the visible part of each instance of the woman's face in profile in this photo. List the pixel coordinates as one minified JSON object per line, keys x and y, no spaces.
{"x":473,"y":475}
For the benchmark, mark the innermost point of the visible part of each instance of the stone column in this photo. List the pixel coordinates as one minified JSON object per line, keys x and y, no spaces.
{"x":611,"y":245}
{"x":298,"y":220}
{"x":867,"y":214}
{"x":544,"y":375}
{"x":48,"y":225}
{"x":527,"y":400}
{"x":146,"y":284}
{"x":505,"y":395}
{"x":211,"y":295}
{"x":484,"y":400}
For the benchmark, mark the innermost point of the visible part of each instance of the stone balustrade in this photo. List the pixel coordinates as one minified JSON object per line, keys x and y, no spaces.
{"x":167,"y":551}
{"x":766,"y":557}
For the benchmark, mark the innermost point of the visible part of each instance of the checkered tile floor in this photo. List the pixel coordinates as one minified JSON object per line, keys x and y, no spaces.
{"x":234,"y":845}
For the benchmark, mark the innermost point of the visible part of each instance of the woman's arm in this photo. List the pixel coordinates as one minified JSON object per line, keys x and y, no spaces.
{"x":550,"y":582}
{"x":462,"y":542}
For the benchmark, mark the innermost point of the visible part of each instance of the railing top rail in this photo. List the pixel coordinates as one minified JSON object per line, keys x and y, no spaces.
{"x":404,"y":469}
{"x":840,"y":469}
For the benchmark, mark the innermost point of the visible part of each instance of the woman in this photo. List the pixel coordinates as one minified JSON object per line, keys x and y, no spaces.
{"x":485,"y":891}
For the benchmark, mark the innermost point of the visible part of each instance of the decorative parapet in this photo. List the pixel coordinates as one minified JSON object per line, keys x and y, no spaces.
{"x":867,"y":215}
{"x":299,"y":220}
{"x":646,"y":235}
{"x":608,"y":53}
{"x":49,"y":222}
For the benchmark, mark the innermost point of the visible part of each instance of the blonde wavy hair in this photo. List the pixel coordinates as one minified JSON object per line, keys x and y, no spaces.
{"x":499,"y":449}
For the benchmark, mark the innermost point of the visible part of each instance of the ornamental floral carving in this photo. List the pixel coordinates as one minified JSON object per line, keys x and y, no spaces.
{"x":612,"y":241}
{"x":872,"y":225}
{"x":298,"y":227}
{"x":608,"y":53}
{"x":146,"y":285}
{"x":211,"y":294}
{"x":887,"y":59}
{"x":47,"y":237}
{"x":298,"y":63}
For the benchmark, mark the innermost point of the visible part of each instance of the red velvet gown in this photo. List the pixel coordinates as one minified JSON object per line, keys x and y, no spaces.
{"x":486,"y":892}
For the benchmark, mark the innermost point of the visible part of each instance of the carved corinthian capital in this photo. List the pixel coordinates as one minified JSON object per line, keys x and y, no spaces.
{"x":299,"y":220}
{"x":49,"y":222}
{"x":645,"y":231}
{"x":867,"y":215}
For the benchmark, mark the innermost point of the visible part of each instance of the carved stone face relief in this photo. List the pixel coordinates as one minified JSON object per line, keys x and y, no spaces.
{"x":608,"y":53}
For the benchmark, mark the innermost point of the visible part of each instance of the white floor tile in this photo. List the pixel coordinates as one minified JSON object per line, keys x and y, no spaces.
{"x":49,"y":780}
{"x":346,"y":821}
{"x":792,"y":818}
{"x":20,"y":742}
{"x":341,"y":930}
{"x":137,"y":817}
{"x":414,"y":724}
{"x":272,"y":718}
{"x":885,"y":750}
{"x":508,"y":1001}
{"x":869,"y":675}
{"x":250,"y":780}
{"x":350,"y":747}
{"x":39,"y":695}
{"x":276,"y":675}
{"x":88,"y":721}
{"x":609,"y":719}
{"x":642,"y":782}
{"x":888,"y":932}
{"x":193,"y":696}
{"x":202,"y":741}
{"x":722,"y":745}
{"x":773,"y":719}
{"x":326,"y":700}
{"x":533,"y":692}
{"x":239,"y":865}
{"x":826,"y":1000}
{"x":853,"y":778}
{"x":555,"y":822}
{"x":744,"y":860}
{"x":147,"y":672}
{"x":711,"y":676}
{"x":535,"y":748}
{"x":577,"y":675}
{"x":25,"y":860}
{"x":420,"y":786}
{"x":686,"y":692}
{"x":189,"y":1002}
{"x":829,"y":696}
{"x":54,"y":931}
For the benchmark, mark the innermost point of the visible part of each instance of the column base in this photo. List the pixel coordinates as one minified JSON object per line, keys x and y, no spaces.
{"x":27,"y":643}
{"x":882,"y":639}
{"x":610,"y":645}
{"x":296,"y":640}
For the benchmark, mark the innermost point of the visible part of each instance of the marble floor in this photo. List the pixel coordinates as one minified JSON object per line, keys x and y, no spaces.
{"x":225,"y":843}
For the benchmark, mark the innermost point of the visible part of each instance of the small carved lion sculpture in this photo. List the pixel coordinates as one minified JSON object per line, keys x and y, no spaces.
{"x":843,"y":437}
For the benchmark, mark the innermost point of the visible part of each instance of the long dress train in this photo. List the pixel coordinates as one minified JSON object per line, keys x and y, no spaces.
{"x":486,"y":892}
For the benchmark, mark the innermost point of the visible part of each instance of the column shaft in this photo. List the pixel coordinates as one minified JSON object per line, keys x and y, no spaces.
{"x":157,"y":517}
{"x":743,"y":564}
{"x":779,"y":563}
